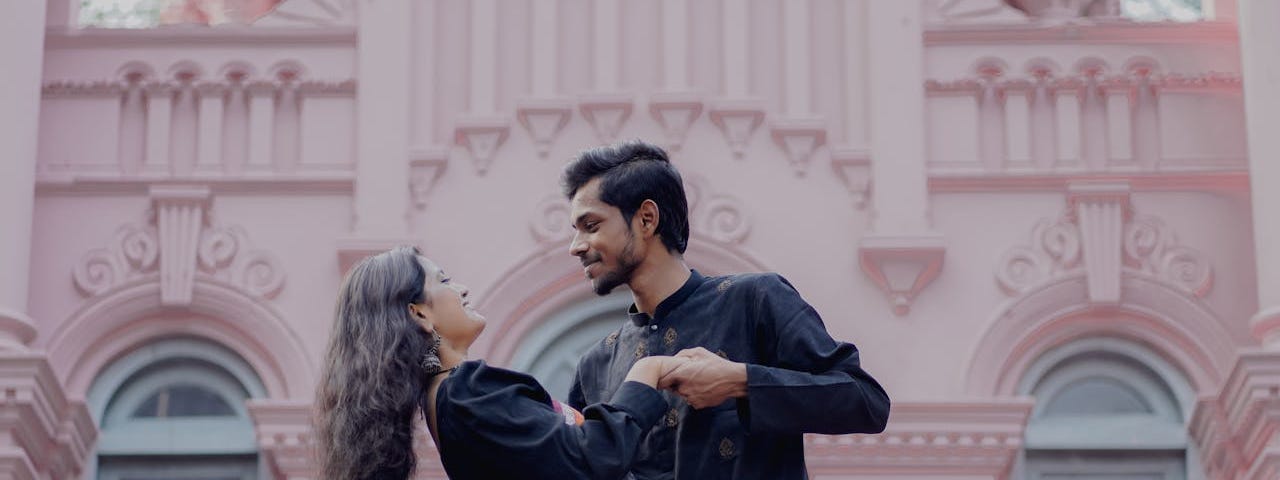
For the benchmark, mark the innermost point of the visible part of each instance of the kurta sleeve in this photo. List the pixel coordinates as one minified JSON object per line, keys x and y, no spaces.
{"x":810,"y":373}
{"x":577,"y":398}
{"x":507,"y":424}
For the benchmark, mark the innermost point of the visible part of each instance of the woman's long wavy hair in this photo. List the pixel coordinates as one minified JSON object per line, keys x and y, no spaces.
{"x":373,"y":380}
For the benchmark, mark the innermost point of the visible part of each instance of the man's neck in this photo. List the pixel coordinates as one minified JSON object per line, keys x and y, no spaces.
{"x":652,"y":283}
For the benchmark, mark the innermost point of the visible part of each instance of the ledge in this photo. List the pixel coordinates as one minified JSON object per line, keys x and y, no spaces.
{"x":189,"y":36}
{"x":1104,"y":32}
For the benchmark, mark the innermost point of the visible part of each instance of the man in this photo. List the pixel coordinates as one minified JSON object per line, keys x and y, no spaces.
{"x":765,"y":370}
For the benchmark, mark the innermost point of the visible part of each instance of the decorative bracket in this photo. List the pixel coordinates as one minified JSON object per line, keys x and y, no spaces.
{"x":481,"y":136}
{"x":544,"y":119}
{"x":738,"y":120}
{"x":425,"y":169}
{"x":676,"y":112}
{"x":799,"y":138}
{"x":180,"y":217}
{"x":902,"y":266}
{"x":854,"y":168}
{"x":606,"y":113}
{"x":1101,"y":211}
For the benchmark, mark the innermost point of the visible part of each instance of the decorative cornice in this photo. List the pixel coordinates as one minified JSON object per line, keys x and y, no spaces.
{"x":1095,"y":33}
{"x":976,"y":180}
{"x":1169,"y":82}
{"x":928,"y":438}
{"x":57,"y":38}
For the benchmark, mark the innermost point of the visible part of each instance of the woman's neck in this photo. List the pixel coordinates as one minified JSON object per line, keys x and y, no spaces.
{"x":450,"y":357}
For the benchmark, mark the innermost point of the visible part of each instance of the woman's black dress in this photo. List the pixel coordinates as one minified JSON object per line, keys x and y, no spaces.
{"x":495,"y":423}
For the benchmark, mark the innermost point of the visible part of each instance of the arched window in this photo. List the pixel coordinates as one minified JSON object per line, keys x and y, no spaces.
{"x":551,"y":351}
{"x":1107,"y":409}
{"x":176,"y":409}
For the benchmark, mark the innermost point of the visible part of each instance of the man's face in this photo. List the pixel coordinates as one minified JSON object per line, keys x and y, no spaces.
{"x":603,"y":240}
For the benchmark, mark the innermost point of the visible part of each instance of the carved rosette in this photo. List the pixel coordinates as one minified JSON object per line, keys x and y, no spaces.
{"x":551,"y":220}
{"x":179,"y":247}
{"x":1055,"y":249}
{"x":1152,"y":248}
{"x":134,"y":249}
{"x":1100,"y":238}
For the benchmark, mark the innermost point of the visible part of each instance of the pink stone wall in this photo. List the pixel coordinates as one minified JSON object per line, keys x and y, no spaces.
{"x":959,"y":189}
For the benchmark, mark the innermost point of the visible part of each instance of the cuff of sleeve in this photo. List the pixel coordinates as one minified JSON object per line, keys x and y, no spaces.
{"x":642,"y":401}
{"x":757,"y":376}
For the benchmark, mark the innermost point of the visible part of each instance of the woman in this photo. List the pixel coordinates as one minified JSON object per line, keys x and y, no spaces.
{"x":399,"y":345}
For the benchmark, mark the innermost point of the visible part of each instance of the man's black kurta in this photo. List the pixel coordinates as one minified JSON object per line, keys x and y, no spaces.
{"x":799,"y":380}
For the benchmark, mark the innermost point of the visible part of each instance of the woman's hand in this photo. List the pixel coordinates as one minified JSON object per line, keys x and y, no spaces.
{"x":652,"y":371}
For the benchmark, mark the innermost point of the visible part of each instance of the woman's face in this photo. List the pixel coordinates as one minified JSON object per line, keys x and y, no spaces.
{"x":450,"y":311}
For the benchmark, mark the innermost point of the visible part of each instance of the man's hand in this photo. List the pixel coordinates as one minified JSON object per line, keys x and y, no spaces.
{"x":706,"y":379}
{"x":650,"y":370}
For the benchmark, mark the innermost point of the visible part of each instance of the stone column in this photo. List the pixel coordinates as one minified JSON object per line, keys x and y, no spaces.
{"x":1258,"y":36}
{"x":902,"y":255}
{"x":22,"y":59}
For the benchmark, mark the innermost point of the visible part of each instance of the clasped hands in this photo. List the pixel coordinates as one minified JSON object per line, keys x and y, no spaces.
{"x":702,"y":378}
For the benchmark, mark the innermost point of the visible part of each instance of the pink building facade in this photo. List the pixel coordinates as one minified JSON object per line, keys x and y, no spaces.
{"x":1053,"y":232}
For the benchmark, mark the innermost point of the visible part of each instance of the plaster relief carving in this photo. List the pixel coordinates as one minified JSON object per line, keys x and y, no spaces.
{"x":1103,"y":238}
{"x":177,"y":246}
{"x":719,"y":217}
{"x":551,"y":220}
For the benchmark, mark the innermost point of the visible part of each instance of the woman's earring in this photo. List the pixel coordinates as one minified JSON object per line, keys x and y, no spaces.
{"x":431,"y":359}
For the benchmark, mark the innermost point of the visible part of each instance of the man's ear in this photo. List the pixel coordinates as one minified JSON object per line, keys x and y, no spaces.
{"x":648,"y":216}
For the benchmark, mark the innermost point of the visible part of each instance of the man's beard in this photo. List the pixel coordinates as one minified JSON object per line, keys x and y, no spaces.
{"x":627,"y":263}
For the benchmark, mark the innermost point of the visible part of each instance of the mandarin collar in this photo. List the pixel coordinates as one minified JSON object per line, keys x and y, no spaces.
{"x":670,"y":303}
